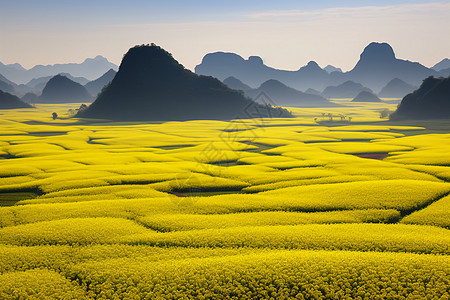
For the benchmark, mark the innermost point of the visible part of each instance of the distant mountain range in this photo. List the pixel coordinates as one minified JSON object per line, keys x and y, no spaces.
{"x":331,"y":69}
{"x":276,"y":93}
{"x":312,"y":91}
{"x":236,"y":84}
{"x":348,"y":89}
{"x":30,"y":91}
{"x":445,"y":72}
{"x":91,"y":69}
{"x":6,"y":85}
{"x":430,"y":101}
{"x":152,"y":85}
{"x":443,"y":64}
{"x":396,"y":88}
{"x":254,"y":72}
{"x":378,"y":70}
{"x":376,"y":67}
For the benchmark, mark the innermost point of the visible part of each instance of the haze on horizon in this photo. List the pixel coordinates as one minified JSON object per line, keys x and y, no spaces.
{"x":286,"y":34}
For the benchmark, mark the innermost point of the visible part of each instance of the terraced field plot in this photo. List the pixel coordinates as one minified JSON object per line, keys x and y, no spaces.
{"x":303,"y":208}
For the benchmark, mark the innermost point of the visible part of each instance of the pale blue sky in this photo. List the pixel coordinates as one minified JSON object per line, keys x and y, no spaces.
{"x":287,"y":34}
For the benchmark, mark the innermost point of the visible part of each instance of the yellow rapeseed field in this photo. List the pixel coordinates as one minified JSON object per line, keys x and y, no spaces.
{"x":298,"y":208}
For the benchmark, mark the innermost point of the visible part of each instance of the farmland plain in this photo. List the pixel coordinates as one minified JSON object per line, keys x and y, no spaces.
{"x":303,"y":208}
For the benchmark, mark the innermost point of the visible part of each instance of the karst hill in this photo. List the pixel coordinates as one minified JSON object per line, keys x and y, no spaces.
{"x":152,"y":86}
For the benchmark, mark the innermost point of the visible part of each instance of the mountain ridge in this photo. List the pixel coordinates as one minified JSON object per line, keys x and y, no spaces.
{"x":254,"y":72}
{"x":280,"y":94}
{"x":377,"y":65}
{"x":443,"y":64}
{"x":90,"y":68}
{"x":143,"y":90}
{"x":347,"y":89}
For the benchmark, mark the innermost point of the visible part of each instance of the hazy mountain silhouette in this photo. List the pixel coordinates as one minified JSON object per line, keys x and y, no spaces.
{"x":61,"y":89}
{"x":396,"y":88}
{"x":445,"y":72}
{"x":378,"y":65}
{"x":312,"y":91}
{"x":6,"y":85}
{"x":331,"y":69}
{"x":30,"y":98}
{"x":443,"y":64}
{"x":278,"y":93}
{"x":6,"y":80}
{"x":236,"y":84}
{"x":348,"y":89}
{"x":8,"y":101}
{"x":223,"y":65}
{"x":430,"y":101}
{"x":254,"y":72}
{"x":94,"y":87}
{"x":366,"y":96}
{"x":38,"y":84}
{"x":13,"y":71}
{"x":152,"y":85}
{"x":91,"y":68}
